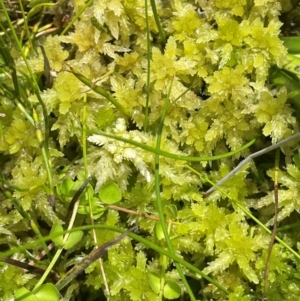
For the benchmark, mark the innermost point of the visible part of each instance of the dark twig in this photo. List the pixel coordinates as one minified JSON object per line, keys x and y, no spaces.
{"x":89,"y":259}
{"x":28,"y":267}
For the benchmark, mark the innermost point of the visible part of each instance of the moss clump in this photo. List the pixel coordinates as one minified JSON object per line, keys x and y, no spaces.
{"x":216,"y":59}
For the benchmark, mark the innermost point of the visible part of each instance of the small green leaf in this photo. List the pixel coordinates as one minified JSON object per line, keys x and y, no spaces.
{"x":154,"y":281}
{"x":58,"y":240}
{"x":159,"y":234}
{"x":47,"y":292}
{"x":65,"y":187}
{"x":23,"y":294}
{"x":172,"y":290}
{"x":97,"y":209}
{"x":110,"y":193}
{"x":73,"y":239}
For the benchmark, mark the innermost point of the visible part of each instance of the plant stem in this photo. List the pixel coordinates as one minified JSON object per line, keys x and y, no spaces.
{"x":159,"y":201}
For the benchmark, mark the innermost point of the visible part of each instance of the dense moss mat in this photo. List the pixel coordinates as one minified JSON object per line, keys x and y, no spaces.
{"x":75,"y":71}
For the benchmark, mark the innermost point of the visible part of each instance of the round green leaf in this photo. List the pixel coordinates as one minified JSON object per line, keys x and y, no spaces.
{"x":110,"y":193}
{"x":154,"y":281}
{"x":47,"y":292}
{"x":23,"y":294}
{"x":73,"y":239}
{"x":58,"y":240}
{"x":65,"y":187}
{"x":172,"y":290}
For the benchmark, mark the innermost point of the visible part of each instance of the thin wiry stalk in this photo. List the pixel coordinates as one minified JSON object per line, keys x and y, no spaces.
{"x":148,"y":68}
{"x":87,"y":4}
{"x":158,"y":198}
{"x":86,"y":172}
{"x":158,"y":24}
{"x":101,"y":91}
{"x":25,"y":23}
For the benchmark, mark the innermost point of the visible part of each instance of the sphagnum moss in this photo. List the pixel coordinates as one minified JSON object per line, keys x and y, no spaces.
{"x":222,"y":51}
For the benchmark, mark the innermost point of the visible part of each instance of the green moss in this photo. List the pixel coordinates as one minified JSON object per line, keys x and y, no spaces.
{"x":222,"y":56}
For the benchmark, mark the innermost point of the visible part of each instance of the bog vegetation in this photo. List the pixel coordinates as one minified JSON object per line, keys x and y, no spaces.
{"x":122,"y":114}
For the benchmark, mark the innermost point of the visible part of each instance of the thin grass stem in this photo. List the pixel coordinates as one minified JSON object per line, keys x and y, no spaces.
{"x":87,"y":4}
{"x":158,"y":198}
{"x":175,"y":156}
{"x":272,"y":240}
{"x":146,"y":121}
{"x":86,"y":175}
{"x":100,"y":91}
{"x":158,"y":24}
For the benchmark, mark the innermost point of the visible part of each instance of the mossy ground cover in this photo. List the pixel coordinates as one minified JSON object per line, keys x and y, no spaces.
{"x":121,"y":115}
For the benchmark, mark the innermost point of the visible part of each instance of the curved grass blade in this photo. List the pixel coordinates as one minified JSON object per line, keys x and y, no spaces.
{"x":134,"y":236}
{"x":174,"y":156}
